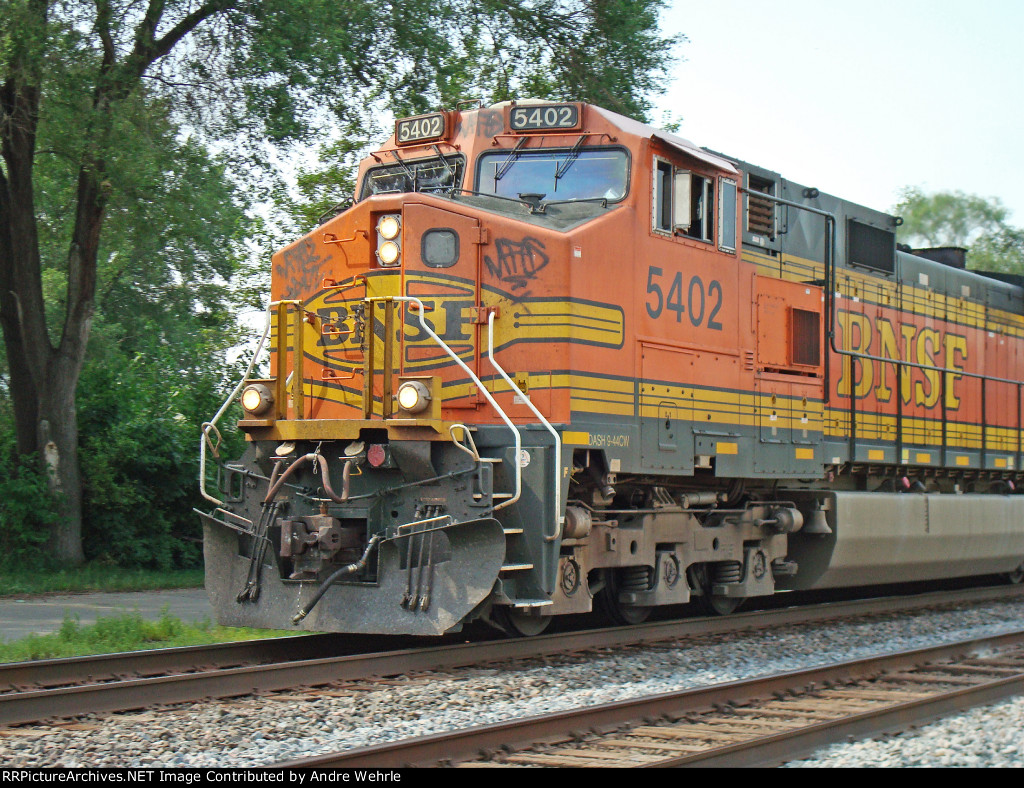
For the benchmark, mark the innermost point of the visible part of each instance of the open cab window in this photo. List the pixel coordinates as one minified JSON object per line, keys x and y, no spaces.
{"x":684,"y":202}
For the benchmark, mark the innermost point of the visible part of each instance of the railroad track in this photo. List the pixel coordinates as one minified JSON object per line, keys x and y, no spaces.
{"x":53,"y":689}
{"x":758,"y":722}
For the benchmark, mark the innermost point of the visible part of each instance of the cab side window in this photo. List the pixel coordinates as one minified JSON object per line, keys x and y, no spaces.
{"x":702,"y":208}
{"x":663,"y":196}
{"x":683,"y":202}
{"x":727,"y":215}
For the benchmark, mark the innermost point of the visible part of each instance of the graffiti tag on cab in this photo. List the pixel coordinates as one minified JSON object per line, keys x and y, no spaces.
{"x":518,"y":262}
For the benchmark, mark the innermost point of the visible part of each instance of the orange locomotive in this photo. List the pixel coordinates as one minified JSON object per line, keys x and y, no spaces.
{"x":552,"y":359}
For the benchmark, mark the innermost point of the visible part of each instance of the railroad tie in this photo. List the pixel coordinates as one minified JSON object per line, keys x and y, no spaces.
{"x":689,"y":732}
{"x":895,"y":695}
{"x":540,"y":759}
{"x":757,"y":726}
{"x":781,"y":710}
{"x":918,"y":678}
{"x":659,"y":746}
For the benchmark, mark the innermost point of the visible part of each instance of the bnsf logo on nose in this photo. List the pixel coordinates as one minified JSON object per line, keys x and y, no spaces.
{"x":900,"y":342}
{"x":447,"y":318}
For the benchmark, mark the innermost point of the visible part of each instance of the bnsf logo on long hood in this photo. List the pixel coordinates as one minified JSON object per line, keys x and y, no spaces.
{"x":924,"y":345}
{"x":452,"y":314}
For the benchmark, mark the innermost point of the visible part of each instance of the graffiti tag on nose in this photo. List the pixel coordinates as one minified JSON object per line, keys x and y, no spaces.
{"x":518,"y":261}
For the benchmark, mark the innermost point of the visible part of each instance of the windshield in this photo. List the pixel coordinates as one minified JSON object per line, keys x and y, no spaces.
{"x":556,"y":174}
{"x":431,"y":176}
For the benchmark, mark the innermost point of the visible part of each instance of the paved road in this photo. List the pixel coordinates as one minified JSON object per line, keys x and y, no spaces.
{"x":41,"y":615}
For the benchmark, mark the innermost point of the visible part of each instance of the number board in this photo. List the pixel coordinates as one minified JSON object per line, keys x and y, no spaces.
{"x":544,"y":117}
{"x":421,"y":128}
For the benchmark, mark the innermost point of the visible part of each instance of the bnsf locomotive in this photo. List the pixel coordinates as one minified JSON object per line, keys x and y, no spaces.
{"x":552,"y":360}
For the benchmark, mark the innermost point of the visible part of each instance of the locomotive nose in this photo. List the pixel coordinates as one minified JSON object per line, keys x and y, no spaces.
{"x":428,"y":578}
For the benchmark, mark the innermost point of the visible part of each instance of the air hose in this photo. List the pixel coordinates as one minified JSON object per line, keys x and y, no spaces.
{"x":345,"y":570}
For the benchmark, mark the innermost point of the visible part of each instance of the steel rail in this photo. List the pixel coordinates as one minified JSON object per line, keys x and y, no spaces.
{"x":792,"y":745}
{"x":565,"y":726}
{"x":39,"y":674}
{"x":63,"y":672}
{"x":96,"y":695}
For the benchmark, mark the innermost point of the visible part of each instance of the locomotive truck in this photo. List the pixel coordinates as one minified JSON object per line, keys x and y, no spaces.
{"x":550,"y":359}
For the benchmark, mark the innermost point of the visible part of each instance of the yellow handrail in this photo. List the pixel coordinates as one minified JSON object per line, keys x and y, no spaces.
{"x":298,"y":353}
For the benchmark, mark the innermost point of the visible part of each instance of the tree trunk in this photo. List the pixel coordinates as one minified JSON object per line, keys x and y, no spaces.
{"x":23,"y":396}
{"x":21,"y":297}
{"x":43,"y":378}
{"x":58,"y":443}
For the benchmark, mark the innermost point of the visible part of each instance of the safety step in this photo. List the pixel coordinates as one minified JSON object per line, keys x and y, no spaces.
{"x":526,"y":604}
{"x":516,"y":567}
{"x":513,"y":531}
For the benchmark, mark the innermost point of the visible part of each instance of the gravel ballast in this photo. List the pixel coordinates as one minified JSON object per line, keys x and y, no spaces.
{"x":985,"y":737}
{"x":260,"y":731}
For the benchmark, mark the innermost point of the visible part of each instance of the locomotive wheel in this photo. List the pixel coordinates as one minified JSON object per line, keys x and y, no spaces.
{"x":710,"y":604}
{"x":608,"y":604}
{"x":1016,"y":576}
{"x":718,"y":605}
{"x":518,"y":624}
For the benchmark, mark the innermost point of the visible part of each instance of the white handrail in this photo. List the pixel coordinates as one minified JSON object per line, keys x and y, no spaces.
{"x":484,"y":391}
{"x":470,"y":449}
{"x":559,"y":518}
{"x":212,"y":423}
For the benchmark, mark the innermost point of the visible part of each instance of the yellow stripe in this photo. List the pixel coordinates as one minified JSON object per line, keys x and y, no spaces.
{"x":924,"y":458}
{"x":876,"y":454}
{"x":805,"y":454}
{"x":587,"y":406}
{"x":753,"y":410}
{"x":962,"y":460}
{"x":576,"y":438}
{"x":916,"y":300}
{"x":610,"y":384}
{"x":727,"y":448}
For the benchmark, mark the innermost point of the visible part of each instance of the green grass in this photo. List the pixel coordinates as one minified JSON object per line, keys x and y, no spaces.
{"x":128,"y":632}
{"x":96,"y":577}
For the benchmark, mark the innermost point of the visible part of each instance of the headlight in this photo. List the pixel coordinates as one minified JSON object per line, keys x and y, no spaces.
{"x":413,"y":396}
{"x":388,"y":227}
{"x":257,"y":399}
{"x":388,"y":253}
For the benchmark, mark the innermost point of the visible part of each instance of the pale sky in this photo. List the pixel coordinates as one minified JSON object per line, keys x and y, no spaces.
{"x":858,"y":99}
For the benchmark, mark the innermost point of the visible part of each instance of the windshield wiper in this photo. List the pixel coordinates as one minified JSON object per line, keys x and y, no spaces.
{"x":499,"y":172}
{"x":411,"y":175}
{"x":443,"y":185}
{"x":447,"y":166}
{"x":570,"y":157}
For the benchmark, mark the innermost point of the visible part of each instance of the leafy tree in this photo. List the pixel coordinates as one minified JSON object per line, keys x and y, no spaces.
{"x":138,"y":446}
{"x":978,"y":224}
{"x":1001,"y":250}
{"x":109,"y":110}
{"x":606,"y":52}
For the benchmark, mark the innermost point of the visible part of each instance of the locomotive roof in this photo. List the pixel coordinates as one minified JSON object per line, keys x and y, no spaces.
{"x":631,"y":126}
